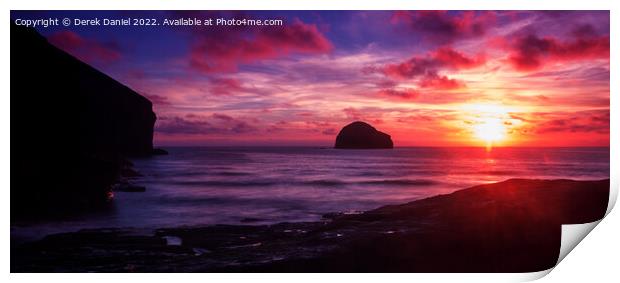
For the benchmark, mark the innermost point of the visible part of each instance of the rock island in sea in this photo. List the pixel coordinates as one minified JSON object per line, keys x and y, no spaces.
{"x":361,"y":135}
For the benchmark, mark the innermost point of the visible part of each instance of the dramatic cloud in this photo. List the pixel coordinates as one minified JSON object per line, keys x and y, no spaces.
{"x":85,"y":49}
{"x":426,"y":70}
{"x":224,"y":51}
{"x":436,"y":81}
{"x":412,"y":68}
{"x":407,"y":93}
{"x":453,"y":59}
{"x":443,"y":26}
{"x":596,"y":121}
{"x":530,"y":52}
{"x":444,"y":58}
{"x":225,"y":86}
{"x":198,"y":125}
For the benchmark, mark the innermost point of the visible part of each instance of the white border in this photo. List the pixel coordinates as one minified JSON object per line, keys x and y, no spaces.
{"x":312,"y":5}
{"x":601,"y":253}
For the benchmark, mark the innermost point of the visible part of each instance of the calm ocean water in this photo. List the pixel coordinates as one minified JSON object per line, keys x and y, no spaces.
{"x":211,"y":185}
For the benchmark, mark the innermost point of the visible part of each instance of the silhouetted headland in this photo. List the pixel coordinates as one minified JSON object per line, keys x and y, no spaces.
{"x":360,"y":135}
{"x":510,"y":226}
{"x":71,"y":128}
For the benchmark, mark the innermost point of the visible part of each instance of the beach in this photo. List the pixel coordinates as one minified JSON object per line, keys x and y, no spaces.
{"x":510,"y":226}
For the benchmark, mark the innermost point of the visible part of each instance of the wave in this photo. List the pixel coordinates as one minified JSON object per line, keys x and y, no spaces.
{"x":386,"y":182}
{"x":325,"y":183}
{"x":314,"y":183}
{"x":402,"y":182}
{"x":234,"y":203}
{"x":499,"y":172}
{"x":257,"y":183}
{"x":232,"y":173}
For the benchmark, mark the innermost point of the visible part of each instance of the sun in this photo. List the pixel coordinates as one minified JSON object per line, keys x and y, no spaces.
{"x":487,"y":122}
{"x":490,"y":130}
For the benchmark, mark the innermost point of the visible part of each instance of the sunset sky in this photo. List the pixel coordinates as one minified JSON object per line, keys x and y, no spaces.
{"x":426,"y":78}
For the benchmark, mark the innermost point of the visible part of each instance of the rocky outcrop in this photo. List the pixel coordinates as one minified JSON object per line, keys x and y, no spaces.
{"x":71,"y":127}
{"x":360,"y":135}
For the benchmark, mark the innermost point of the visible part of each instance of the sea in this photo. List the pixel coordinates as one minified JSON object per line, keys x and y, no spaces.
{"x":196,"y":186}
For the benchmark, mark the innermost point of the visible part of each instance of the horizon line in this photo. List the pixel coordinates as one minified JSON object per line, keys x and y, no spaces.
{"x":412,"y":146}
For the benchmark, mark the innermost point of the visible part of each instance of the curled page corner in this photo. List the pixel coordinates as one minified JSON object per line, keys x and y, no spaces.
{"x":531,"y":276}
{"x":572,"y":235}
{"x":613,"y":194}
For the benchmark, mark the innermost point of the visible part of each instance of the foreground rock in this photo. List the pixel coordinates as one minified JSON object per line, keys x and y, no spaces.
{"x":128,"y":188}
{"x":159,"y":151}
{"x":360,"y":135}
{"x":71,"y":129}
{"x":511,"y":226}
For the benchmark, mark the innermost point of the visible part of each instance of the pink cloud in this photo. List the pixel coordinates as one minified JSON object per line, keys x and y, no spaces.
{"x":443,"y":27}
{"x":223,"y":117}
{"x":457,"y":60}
{"x":414,"y":67}
{"x":407,"y":93}
{"x":224,"y":51}
{"x":436,"y":81}
{"x":191,"y":124}
{"x":596,"y":121}
{"x":225,"y":86}
{"x":85,"y":49}
{"x":443,"y":58}
{"x":531,"y":52}
{"x":427,"y":68}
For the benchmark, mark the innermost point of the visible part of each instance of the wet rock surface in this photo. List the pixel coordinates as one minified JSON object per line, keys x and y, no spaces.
{"x":159,"y":151}
{"x":128,"y":187}
{"x":511,"y":226}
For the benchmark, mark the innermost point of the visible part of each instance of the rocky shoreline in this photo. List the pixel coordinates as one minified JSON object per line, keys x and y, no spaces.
{"x":510,"y":226}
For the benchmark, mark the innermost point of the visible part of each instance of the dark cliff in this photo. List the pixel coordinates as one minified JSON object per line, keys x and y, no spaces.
{"x":71,"y":127}
{"x":360,"y":135}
